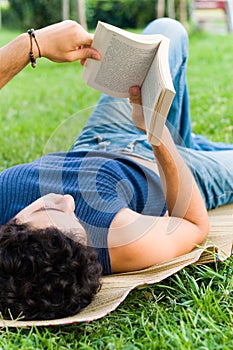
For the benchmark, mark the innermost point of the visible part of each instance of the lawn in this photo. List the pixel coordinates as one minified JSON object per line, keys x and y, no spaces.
{"x":192,"y":309}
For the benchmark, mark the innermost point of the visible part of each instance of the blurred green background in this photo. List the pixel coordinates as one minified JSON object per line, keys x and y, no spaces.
{"x":122,"y":13}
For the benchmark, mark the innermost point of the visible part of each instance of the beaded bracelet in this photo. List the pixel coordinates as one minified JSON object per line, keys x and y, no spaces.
{"x":31,"y":33}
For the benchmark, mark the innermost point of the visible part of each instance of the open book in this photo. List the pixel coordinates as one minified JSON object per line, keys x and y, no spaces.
{"x":130,"y":59}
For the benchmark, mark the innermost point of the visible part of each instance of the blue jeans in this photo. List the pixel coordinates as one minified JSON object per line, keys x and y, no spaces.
{"x":110,"y":127}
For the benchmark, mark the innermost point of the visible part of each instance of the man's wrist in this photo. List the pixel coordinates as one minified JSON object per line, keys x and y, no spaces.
{"x":34,"y":49}
{"x":39,"y":35}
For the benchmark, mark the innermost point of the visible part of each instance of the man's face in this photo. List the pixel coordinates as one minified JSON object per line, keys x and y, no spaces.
{"x":53,"y":210}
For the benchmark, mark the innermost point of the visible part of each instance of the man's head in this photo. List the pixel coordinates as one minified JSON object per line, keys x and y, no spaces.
{"x":53,"y":210}
{"x":45,"y":272}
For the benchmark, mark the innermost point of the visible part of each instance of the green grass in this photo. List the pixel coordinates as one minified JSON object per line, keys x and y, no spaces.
{"x":192,"y":309}
{"x":211,"y":86}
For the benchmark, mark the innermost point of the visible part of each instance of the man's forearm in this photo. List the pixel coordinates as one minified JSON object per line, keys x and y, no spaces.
{"x":182,"y":194}
{"x":65,"y":41}
{"x":14,"y":57}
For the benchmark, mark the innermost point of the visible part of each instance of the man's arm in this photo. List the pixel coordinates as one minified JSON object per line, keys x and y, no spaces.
{"x":66,"y":41}
{"x":138,"y":241}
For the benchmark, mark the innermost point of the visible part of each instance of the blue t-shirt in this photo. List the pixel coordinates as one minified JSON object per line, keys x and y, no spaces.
{"x":101,"y":184}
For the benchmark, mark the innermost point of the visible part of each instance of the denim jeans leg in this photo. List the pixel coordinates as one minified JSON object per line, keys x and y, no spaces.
{"x":110,"y":124}
{"x":178,"y":120}
{"x":109,"y":127}
{"x":213,"y":172}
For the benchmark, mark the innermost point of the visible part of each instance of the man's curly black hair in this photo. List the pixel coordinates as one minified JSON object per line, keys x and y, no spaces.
{"x":44,"y":274}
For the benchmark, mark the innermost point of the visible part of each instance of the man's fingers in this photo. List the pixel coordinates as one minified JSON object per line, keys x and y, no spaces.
{"x":135,"y":95}
{"x":137,"y":111}
{"x":83,"y":53}
{"x":88,"y":52}
{"x":83,"y":61}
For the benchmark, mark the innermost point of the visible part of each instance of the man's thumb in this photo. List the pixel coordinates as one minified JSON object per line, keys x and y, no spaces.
{"x":88,"y":52}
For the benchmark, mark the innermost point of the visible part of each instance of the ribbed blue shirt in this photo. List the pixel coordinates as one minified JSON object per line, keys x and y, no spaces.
{"x":101,"y":184}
